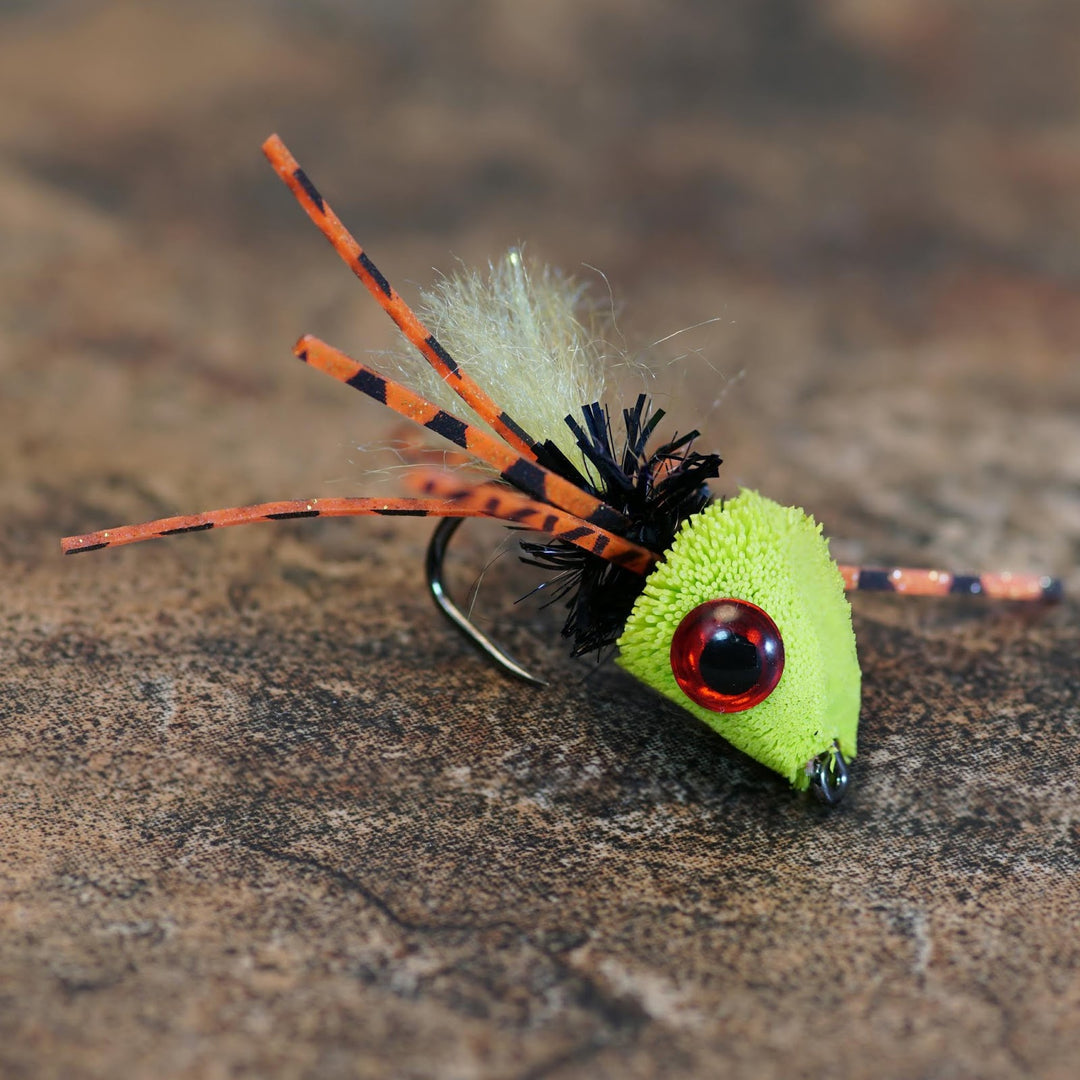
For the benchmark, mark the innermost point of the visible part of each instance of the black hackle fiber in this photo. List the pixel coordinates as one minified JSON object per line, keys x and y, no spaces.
{"x":656,"y":491}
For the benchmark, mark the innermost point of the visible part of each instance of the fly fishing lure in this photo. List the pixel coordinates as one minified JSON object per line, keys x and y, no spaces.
{"x":732,"y":608}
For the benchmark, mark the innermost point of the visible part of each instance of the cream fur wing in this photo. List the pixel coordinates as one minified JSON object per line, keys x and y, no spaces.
{"x":526,"y":334}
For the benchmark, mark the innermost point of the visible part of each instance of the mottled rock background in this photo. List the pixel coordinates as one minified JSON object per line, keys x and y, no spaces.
{"x":260,"y":813}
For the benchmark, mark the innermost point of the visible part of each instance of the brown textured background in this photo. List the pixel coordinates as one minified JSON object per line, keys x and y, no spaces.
{"x":261,"y":814}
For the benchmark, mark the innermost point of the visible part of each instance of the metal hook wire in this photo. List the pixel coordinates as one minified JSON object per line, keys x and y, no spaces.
{"x":829,"y":776}
{"x":433,"y":566}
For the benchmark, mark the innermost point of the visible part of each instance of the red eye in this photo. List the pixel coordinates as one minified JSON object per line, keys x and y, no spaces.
{"x":727,"y":655}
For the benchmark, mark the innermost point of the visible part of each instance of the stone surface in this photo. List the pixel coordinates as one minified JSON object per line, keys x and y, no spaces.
{"x":261,"y":813}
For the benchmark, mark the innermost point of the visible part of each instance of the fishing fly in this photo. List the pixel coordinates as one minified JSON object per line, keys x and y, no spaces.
{"x":732,"y":608}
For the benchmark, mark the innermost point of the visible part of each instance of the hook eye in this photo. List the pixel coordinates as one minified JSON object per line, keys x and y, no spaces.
{"x":433,"y":565}
{"x":829,"y":776}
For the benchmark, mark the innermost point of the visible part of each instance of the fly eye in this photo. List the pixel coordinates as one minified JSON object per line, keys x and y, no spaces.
{"x":727,"y":655}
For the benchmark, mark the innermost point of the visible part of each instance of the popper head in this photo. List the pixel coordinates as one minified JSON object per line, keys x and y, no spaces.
{"x":746,"y":624}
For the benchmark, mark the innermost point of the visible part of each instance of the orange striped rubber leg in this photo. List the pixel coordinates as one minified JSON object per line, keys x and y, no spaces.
{"x":496,"y":501}
{"x":1003,"y":586}
{"x":405,"y":441}
{"x":523,"y":473}
{"x":306,"y":194}
{"x":271,"y":511}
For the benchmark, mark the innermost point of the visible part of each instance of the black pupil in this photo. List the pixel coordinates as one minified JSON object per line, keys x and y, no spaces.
{"x":729,"y":663}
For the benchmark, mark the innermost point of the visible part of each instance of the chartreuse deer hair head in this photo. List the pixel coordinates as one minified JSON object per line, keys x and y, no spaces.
{"x":733,"y":609}
{"x":751,"y":569}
